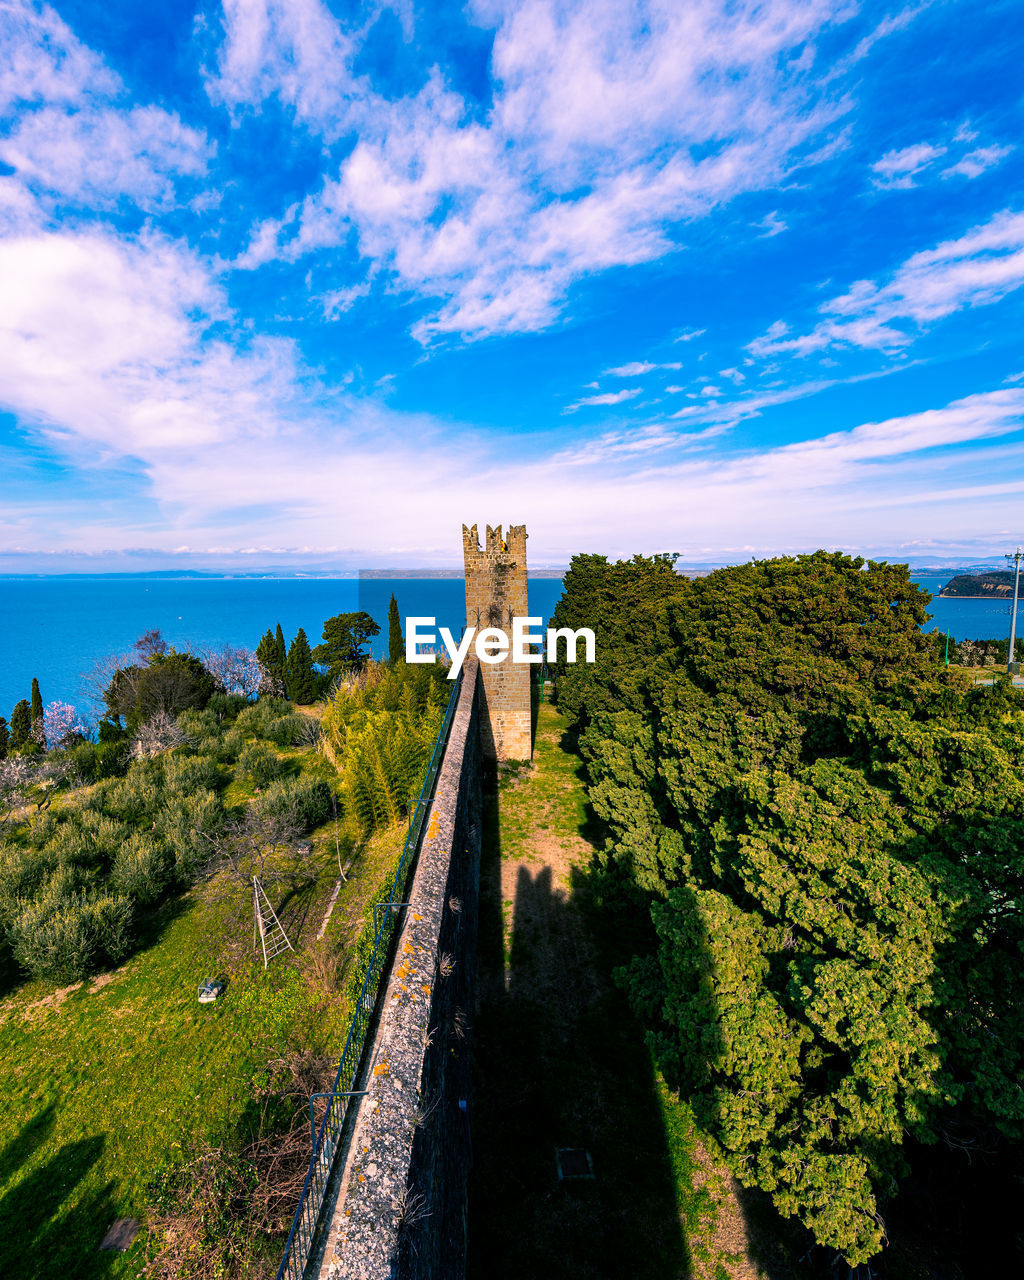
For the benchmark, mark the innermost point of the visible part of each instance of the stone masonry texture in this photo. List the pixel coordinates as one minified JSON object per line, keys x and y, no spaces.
{"x":495,"y":594}
{"x":400,"y":1212}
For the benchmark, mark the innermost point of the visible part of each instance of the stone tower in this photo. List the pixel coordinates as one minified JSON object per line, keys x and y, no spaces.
{"x":495,"y":594}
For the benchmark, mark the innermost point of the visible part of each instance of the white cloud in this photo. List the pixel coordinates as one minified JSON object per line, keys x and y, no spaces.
{"x":689,"y":335}
{"x":292,"y":49}
{"x":638,"y":367}
{"x":609,"y":130}
{"x":904,"y":168}
{"x":979,"y":268}
{"x":43,"y":61}
{"x":900,"y":168}
{"x":770,"y":225}
{"x":977,"y":162}
{"x":95,"y":155}
{"x":104,"y":348}
{"x":607,"y":397}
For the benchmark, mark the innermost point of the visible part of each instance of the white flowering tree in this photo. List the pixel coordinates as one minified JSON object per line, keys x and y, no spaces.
{"x":236,"y":669}
{"x":62,"y":724}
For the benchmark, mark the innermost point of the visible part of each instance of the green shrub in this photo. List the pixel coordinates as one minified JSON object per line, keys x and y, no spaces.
{"x":226,"y":706}
{"x":23,"y":872}
{"x":287,"y":731}
{"x":258,"y":718}
{"x":68,"y":934}
{"x":142,"y":869}
{"x":188,"y":826}
{"x":196,"y":725}
{"x":105,"y":833}
{"x":70,"y":846}
{"x":111,"y":759}
{"x":304,"y":801}
{"x":91,"y":762}
{"x":139,"y":794}
{"x":231,"y":745}
{"x":185,"y":774}
{"x":260,"y":764}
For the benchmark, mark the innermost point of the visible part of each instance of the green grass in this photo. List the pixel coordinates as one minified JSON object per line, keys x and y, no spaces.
{"x":548,"y":798}
{"x":107,"y":1084}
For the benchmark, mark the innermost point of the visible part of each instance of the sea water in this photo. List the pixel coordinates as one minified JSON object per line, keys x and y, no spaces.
{"x":58,"y":629}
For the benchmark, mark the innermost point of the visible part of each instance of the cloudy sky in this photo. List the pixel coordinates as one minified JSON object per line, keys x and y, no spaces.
{"x":297,"y":281}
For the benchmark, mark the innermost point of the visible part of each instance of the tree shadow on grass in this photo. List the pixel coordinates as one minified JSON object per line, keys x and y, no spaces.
{"x":41,"y":1238}
{"x":560,"y":1062}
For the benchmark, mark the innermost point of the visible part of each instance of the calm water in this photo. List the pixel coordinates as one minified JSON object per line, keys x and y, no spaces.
{"x":58,"y":628}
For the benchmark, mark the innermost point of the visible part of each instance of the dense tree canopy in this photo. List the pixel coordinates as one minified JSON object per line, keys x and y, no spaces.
{"x":301,"y":679}
{"x":169,"y":684}
{"x":827,"y":828}
{"x":344,"y":641}
{"x":21,"y":723}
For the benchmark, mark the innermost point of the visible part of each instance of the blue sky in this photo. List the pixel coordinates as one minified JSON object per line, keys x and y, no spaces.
{"x":297,"y":282}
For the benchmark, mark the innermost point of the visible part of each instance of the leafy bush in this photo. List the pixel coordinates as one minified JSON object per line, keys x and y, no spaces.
{"x":226,"y":706}
{"x":23,"y":871}
{"x":187,"y":826}
{"x":72,"y":847}
{"x":260,"y":764}
{"x":256,"y":719}
{"x":185,"y":774}
{"x":133,"y":799}
{"x":380,"y":734}
{"x":290,"y":730}
{"x":304,"y":801}
{"x":171,"y":684}
{"x":68,"y":934}
{"x":231,"y":745}
{"x":142,"y":868}
{"x":196,"y":725}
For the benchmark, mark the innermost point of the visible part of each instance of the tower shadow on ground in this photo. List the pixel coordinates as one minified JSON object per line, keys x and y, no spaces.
{"x":560,"y":1062}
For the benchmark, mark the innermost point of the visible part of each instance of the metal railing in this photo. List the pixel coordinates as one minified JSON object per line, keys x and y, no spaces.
{"x":327,"y":1138}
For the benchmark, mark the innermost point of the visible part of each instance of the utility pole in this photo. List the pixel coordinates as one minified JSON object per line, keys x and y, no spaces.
{"x":1015,"y":560}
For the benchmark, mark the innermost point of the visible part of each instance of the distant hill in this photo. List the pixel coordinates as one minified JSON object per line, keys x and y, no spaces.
{"x":995,"y":585}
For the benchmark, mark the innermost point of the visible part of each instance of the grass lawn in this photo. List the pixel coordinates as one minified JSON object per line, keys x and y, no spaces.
{"x":106,"y":1083}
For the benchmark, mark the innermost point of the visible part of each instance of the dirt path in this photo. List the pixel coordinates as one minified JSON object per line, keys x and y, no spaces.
{"x":562,"y":1064}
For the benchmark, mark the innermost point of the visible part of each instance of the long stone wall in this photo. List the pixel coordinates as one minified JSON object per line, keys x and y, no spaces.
{"x":400,"y":1209}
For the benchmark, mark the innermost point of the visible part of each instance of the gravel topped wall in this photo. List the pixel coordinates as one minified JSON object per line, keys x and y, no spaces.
{"x":401,"y":1203}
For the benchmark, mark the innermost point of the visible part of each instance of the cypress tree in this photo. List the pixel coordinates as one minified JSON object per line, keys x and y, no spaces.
{"x":266,"y":655}
{"x":301,"y":680}
{"x":396,"y":645}
{"x":282,"y":654}
{"x":37,"y":714}
{"x":5,"y":738}
{"x":21,"y":724}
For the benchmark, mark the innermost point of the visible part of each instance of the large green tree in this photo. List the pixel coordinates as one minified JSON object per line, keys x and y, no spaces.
{"x":5,"y":738}
{"x":21,"y":724}
{"x":38,"y":732}
{"x":272,"y":661}
{"x":396,"y":644}
{"x":826,"y":826}
{"x":301,"y":677}
{"x":344,"y":641}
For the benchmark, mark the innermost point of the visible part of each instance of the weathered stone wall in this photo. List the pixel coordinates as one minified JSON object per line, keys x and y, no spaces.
{"x":400,"y":1212}
{"x":495,"y":594}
